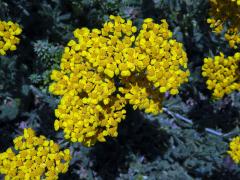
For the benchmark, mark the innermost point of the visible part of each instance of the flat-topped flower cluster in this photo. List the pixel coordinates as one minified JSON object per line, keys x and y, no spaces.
{"x":103,"y":69}
{"x":223,"y":74}
{"x":34,"y":158}
{"x":8,"y":36}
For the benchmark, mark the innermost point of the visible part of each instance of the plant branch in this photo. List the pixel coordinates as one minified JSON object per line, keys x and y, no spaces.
{"x":189,"y":121}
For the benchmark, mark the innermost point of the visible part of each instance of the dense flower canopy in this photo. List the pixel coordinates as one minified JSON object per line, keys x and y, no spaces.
{"x":226,"y":12}
{"x":104,"y":69}
{"x":34,"y":157}
{"x":222,"y":74}
{"x":8,"y":39}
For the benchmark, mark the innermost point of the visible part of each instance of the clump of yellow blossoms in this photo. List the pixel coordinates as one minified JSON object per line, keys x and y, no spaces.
{"x":34,"y":158}
{"x":104,"y":69}
{"x":226,"y":12}
{"x":234,"y":151}
{"x":8,"y":39}
{"x":223,"y":74}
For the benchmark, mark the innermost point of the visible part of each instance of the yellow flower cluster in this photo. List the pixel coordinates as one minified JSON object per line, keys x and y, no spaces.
{"x":234,"y":151}
{"x":226,"y":12}
{"x":223,"y":74}
{"x":104,"y":69}
{"x":8,"y":39}
{"x":34,"y":158}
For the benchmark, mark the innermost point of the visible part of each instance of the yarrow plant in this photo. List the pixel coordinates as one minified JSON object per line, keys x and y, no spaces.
{"x":104,"y":69}
{"x":234,"y":151}
{"x":8,"y":39}
{"x":223,"y":74}
{"x":226,"y":12}
{"x":34,"y":158}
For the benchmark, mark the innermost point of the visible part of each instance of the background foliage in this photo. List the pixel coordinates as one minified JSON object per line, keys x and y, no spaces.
{"x":167,"y":146}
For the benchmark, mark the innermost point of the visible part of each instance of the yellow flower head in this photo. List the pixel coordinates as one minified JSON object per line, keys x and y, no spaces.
{"x":8,"y":39}
{"x":234,"y":151}
{"x":104,"y":69}
{"x":226,"y":12}
{"x":222,"y":74}
{"x":34,"y":158}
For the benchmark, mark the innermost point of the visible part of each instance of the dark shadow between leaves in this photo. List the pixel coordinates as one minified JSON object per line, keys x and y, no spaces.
{"x":136,"y":136}
{"x":6,"y":137}
{"x":222,"y":174}
{"x":212,"y":115}
{"x":47,"y":122}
